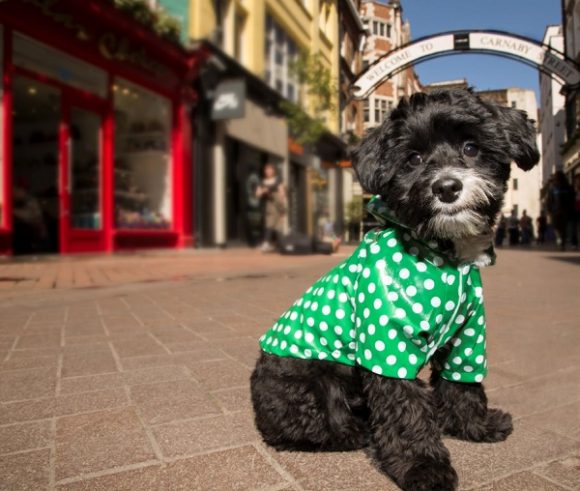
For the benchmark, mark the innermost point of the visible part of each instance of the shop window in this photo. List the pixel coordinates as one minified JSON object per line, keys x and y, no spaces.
{"x":142,"y":158}
{"x":67,"y":69}
{"x":280,"y":52}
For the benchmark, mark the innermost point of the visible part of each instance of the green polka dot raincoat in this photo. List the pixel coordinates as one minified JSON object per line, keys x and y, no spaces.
{"x":396,"y":303}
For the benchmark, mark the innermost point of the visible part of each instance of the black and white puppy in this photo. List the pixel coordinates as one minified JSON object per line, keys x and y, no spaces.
{"x":440,"y":162}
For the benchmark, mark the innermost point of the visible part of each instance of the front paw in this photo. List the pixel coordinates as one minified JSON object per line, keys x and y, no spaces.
{"x":430,"y":475}
{"x":498,"y":426}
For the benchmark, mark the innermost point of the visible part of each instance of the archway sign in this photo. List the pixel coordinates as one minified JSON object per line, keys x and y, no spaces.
{"x":499,"y":43}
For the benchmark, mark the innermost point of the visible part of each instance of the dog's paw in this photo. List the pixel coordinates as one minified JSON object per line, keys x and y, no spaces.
{"x":430,"y":475}
{"x":498,"y":426}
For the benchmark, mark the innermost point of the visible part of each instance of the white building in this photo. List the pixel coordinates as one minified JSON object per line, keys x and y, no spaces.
{"x":553,"y":111}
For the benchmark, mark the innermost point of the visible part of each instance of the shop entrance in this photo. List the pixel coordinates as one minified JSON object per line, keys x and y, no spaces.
{"x":57,"y":170}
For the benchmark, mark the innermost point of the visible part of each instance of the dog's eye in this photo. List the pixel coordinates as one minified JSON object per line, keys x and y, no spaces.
{"x":415,"y":159}
{"x":470,"y":149}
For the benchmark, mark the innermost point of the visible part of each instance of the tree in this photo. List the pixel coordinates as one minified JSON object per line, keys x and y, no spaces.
{"x":320,"y":91}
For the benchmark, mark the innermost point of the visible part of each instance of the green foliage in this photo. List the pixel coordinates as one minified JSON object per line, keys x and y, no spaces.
{"x":317,"y":84}
{"x":354,"y":210}
{"x":158,"y":20}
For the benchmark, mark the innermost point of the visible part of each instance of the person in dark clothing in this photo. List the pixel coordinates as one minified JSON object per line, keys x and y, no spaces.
{"x":541,"y":225}
{"x":561,"y":206}
{"x":500,"y":231}
{"x":526,"y":228}
{"x":513,"y":228}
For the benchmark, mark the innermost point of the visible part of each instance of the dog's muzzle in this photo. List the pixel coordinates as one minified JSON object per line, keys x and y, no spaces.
{"x":447,"y":189}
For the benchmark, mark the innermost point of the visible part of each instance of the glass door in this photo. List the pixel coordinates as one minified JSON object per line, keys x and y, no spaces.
{"x":82,"y":180}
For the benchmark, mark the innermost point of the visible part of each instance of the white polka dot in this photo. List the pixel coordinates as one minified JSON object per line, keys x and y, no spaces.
{"x":468,"y":351}
{"x":392,"y":334}
{"x":323,"y":326}
{"x":387,"y":280}
{"x":345,"y":280}
{"x":465,"y":269}
{"x":361,"y":297}
{"x":478,"y":291}
{"x":323,"y":341}
{"x":402,"y":346}
{"x":287,"y":329}
{"x":307,"y":353}
{"x":307,"y":304}
{"x":456,"y":360}
{"x":460,"y":319}
{"x":362,"y":337}
{"x":310,"y":321}
{"x":456,"y":342}
{"x":294,"y":316}
{"x":352,"y":268}
{"x":439,"y":318}
{"x":397,"y":257}
{"x":338,"y":344}
{"x":366,"y":272}
{"x":450,"y":279}
{"x":469,"y":332}
{"x":435,"y":302}
{"x":358,"y":322}
{"x":377,"y":369}
{"x":342,"y":297}
{"x":424,"y":325}
{"x":412,"y":359}
{"x":468,"y":368}
{"x":381,"y":264}
{"x":408,"y":330}
{"x":362,"y":253}
{"x":393,"y":296}
{"x":283,"y":344}
{"x":421,"y":267}
{"x":383,"y":320}
{"x":455,"y":376}
{"x":478,"y":378}
{"x":375,"y":248}
{"x":372,"y":288}
{"x":437,"y":261}
{"x":480,"y":321}
{"x":309,"y":337}
{"x":417,"y":308}
{"x":404,"y":273}
{"x":479,"y":359}
{"x":411,"y":291}
{"x":338,"y":330}
{"x":314,"y":306}
{"x":371,"y":329}
{"x":294,"y":349}
{"x":336,"y":354}
{"x":326,"y":310}
{"x":402,"y":372}
{"x":321,"y":355}
{"x":340,"y":314}
{"x":331,"y":294}
{"x":464,"y":297}
{"x":392,"y":242}
{"x":400,"y":313}
{"x":391,"y":360}
{"x":380,"y":346}
{"x":298,"y":334}
{"x":275,"y":342}
{"x":444,"y":277}
{"x":429,"y":284}
{"x":378,"y":303}
{"x":449,"y":305}
{"x":479,"y":339}
{"x":366,"y":313}
{"x":368,"y":354}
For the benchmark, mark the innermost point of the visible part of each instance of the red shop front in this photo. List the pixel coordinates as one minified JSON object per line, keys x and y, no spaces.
{"x":95,"y":134}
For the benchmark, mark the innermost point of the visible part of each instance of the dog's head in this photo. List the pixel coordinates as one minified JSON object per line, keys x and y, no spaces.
{"x":441,"y":161}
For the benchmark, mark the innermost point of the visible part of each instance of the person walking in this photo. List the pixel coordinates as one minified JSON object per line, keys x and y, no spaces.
{"x":561,"y":206}
{"x":272,"y":193}
{"x":541,"y":226}
{"x":526,"y":229}
{"x":513,"y":228}
{"x":500,"y":231}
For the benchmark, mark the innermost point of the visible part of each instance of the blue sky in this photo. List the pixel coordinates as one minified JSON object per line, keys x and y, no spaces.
{"x":525,"y":17}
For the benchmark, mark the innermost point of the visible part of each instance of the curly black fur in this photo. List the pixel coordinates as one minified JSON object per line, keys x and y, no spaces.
{"x":318,"y":405}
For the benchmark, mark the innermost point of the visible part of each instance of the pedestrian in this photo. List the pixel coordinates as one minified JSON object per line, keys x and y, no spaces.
{"x":526,"y":228}
{"x":561,"y":206}
{"x":272,"y":194}
{"x":500,"y":231}
{"x":513,"y":228}
{"x":541,"y":225}
{"x":326,"y":233}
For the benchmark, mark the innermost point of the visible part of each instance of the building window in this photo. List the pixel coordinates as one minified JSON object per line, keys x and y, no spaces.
{"x":280,"y":52}
{"x":515,"y":185}
{"x":142,"y":157}
{"x":366,"y":111}
{"x":382,"y":108}
{"x":381,"y":29}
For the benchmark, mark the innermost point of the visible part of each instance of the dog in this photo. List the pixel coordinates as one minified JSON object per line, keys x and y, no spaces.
{"x":338,"y":370}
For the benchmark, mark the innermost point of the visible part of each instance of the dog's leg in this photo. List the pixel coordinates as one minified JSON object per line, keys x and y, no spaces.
{"x":462,"y":412}
{"x":308,"y":405}
{"x":406,"y":437}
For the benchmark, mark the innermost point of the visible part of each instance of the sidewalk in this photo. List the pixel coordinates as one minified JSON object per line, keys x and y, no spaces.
{"x":137,"y":377}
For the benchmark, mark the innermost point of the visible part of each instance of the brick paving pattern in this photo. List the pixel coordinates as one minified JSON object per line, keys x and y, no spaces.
{"x":131,"y":373}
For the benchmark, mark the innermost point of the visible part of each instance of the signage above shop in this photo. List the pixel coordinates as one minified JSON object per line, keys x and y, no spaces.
{"x":229,"y":100}
{"x":499,"y":43}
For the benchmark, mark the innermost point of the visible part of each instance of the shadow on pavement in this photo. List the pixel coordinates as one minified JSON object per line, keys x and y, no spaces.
{"x":567,"y":259}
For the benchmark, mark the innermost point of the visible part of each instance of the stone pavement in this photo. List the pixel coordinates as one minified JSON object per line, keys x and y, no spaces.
{"x":139,"y":381}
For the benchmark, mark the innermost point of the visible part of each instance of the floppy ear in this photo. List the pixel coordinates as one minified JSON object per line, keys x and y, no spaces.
{"x":521,"y":137}
{"x":366,"y":160}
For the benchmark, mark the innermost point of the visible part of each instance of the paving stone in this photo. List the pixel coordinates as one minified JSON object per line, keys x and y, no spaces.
{"x":202,"y":435}
{"x":25,"y":471}
{"x":565,"y":471}
{"x":26,"y":384}
{"x":32,"y":362}
{"x":91,"y":382}
{"x":564,"y":420}
{"x":90,"y":401}
{"x":233,"y":400}
{"x":18,"y":437}
{"x":148,"y":478}
{"x":220,"y":374}
{"x":525,"y":481}
{"x":14,"y":412}
{"x":97,"y":441}
{"x":152,"y":375}
{"x":88,"y":363}
{"x":138,"y":346}
{"x":169,"y":401}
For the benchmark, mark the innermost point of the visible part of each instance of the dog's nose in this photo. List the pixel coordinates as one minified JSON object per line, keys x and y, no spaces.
{"x":447,"y":189}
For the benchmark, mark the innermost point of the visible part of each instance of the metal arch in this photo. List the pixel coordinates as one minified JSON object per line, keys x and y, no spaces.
{"x":499,"y":43}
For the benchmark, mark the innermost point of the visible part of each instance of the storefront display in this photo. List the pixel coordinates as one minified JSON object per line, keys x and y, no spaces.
{"x":93,"y":155}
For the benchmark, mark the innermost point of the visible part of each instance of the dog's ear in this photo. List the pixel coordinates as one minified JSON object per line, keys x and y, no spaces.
{"x":521,"y":135}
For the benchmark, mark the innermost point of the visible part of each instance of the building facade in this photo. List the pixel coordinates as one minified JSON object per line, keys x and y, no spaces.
{"x":524,"y":188}
{"x":571,"y":149}
{"x":255,"y":43}
{"x":95,"y":148}
{"x":387,"y":31}
{"x":552,"y":112}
